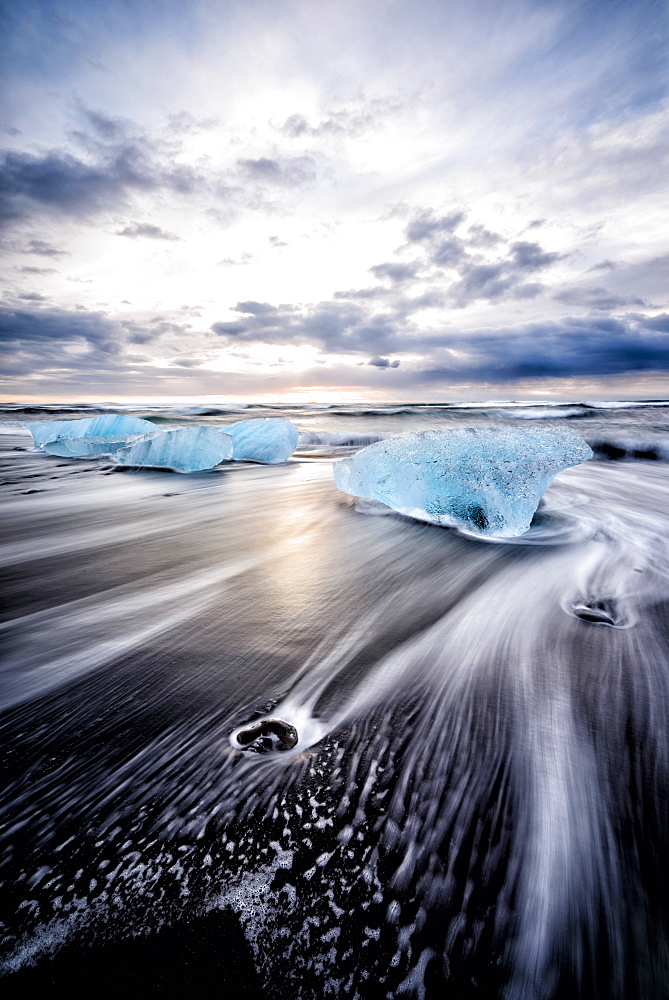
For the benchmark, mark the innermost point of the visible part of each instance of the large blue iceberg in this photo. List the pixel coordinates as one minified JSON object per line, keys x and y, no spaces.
{"x":185,"y":449}
{"x":487,"y":480}
{"x":267,"y":439}
{"x":90,"y":436}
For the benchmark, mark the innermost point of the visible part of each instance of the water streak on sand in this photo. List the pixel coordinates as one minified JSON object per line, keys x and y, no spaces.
{"x":476,"y":804}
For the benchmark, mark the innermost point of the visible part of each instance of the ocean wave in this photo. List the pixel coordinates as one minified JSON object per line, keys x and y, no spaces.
{"x":198,"y":411}
{"x":617,"y":449}
{"x":330,"y":439}
{"x":625,"y":405}
{"x":544,"y":413}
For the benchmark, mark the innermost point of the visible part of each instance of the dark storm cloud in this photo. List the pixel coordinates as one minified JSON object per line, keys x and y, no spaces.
{"x":62,"y":182}
{"x":77,"y":344}
{"x":146,"y":231}
{"x":378,"y":362}
{"x":569,"y":347}
{"x":659,"y":323}
{"x":589,"y":345}
{"x":41,"y":340}
{"x":482,"y":281}
{"x":492,"y":280}
{"x":336,"y":326}
{"x":19,"y":326}
{"x":530,"y":257}
{"x":476,"y":275}
{"x":118,"y":160}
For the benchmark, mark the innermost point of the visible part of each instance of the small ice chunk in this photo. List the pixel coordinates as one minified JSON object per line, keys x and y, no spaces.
{"x":487,"y":480}
{"x":185,"y":449}
{"x":267,"y":439}
{"x":94,"y":435}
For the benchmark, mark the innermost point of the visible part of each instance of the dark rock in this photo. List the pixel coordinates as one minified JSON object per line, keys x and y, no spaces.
{"x":267,"y":735}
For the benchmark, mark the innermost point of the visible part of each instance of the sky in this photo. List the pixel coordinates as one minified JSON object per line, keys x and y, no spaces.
{"x":332,"y":200}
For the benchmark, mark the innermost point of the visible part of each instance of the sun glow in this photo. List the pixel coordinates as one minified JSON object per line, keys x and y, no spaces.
{"x":286,"y":358}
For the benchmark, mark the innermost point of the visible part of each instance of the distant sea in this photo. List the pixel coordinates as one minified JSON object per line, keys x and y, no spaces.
{"x":477,"y":802}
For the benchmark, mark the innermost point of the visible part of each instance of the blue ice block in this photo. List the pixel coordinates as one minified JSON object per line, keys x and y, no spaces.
{"x":487,"y":480}
{"x":89,"y":436}
{"x":185,"y":449}
{"x":267,"y":439}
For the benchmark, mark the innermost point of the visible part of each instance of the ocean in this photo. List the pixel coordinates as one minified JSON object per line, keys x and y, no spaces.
{"x":477,"y":805}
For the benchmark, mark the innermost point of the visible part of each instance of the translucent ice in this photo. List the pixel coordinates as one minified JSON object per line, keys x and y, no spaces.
{"x":267,"y":439}
{"x":88,"y":447}
{"x":488,"y":480}
{"x":186,"y":449}
{"x":90,"y":436}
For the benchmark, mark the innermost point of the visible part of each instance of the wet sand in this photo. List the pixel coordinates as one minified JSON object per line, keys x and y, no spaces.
{"x":477,"y":800}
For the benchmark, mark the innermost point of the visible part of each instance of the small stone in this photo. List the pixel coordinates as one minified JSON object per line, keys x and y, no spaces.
{"x":268,"y":735}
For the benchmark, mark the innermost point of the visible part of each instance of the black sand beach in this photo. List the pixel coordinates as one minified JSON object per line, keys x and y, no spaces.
{"x":477,"y":804}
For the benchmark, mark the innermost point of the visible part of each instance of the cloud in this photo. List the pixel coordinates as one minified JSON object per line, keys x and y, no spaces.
{"x":426,"y":225}
{"x":107,"y":128}
{"x":43,"y":249}
{"x":596,"y":297}
{"x":479,"y":236}
{"x":19,"y":326}
{"x":146,"y":230}
{"x":335,"y":326}
{"x":493,"y":280}
{"x":37,"y":270}
{"x":296,"y":171}
{"x":592,"y":345}
{"x":256,"y":308}
{"x":118,"y":162}
{"x":530,"y":257}
{"x":378,"y":362}
{"x":478,"y":275}
{"x":243,"y":259}
{"x":73,"y":345}
{"x":396,"y":272}
{"x":351,"y":122}
{"x":572,"y":346}
{"x":62,"y":182}
{"x":505,"y":276}
{"x":605,"y":265}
